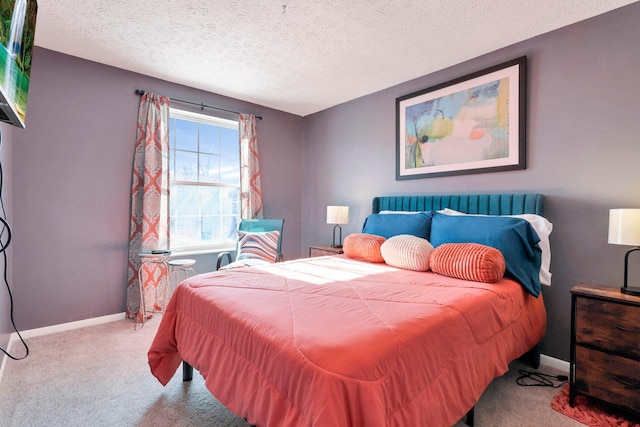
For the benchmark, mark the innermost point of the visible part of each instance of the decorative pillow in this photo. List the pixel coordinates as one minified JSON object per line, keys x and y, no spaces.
{"x":388,"y":225}
{"x":407,"y":252}
{"x":254,"y":245}
{"x":363,"y":247}
{"x":542,"y":226}
{"x":514,"y":237}
{"x":468,"y":261}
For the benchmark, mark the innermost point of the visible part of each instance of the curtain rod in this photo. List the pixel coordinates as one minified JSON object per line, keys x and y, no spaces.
{"x":201,"y":105}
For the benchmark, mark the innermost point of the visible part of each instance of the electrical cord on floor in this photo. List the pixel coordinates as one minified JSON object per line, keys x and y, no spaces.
{"x":538,"y":379}
{"x":6,"y":230}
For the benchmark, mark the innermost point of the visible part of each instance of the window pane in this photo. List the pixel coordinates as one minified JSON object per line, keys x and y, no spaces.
{"x":230,"y":144}
{"x":229,"y":171}
{"x":186,"y":134}
{"x":186,"y":166}
{"x":209,"y":168}
{"x":184,"y":231}
{"x":185,"y":200}
{"x":230,"y":202}
{"x":209,"y":139}
{"x":230,"y":157}
{"x":229,"y":227}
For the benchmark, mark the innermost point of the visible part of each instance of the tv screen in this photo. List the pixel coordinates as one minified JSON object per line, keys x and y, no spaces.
{"x":18,"y":23}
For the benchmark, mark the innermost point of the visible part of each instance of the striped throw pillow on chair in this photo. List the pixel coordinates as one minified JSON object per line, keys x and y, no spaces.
{"x":263,"y":245}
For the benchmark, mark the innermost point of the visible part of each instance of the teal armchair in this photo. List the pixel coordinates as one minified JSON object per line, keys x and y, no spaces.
{"x":259,"y":243}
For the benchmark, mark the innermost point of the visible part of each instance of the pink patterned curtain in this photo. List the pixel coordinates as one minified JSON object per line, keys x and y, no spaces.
{"x":149,"y":202}
{"x":250,"y":188}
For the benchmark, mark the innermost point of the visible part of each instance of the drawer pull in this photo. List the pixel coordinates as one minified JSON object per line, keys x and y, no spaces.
{"x":628,"y":383}
{"x":622,"y":328}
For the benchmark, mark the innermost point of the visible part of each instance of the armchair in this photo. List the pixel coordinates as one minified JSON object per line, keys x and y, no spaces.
{"x":259,"y":243}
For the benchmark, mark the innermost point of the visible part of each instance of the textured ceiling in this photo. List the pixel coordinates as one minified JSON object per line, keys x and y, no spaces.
{"x":318,"y":54}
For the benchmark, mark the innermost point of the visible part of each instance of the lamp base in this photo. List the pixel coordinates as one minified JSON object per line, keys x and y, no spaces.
{"x":333,"y":243}
{"x":631,"y":291}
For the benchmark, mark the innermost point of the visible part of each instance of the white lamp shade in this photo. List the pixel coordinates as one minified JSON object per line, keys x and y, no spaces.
{"x":624,"y":227}
{"x":337,"y":214}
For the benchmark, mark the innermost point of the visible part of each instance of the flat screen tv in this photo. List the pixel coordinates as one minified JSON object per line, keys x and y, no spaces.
{"x":17,"y":27}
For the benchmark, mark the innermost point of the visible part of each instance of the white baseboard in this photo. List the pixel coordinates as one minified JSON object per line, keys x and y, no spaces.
{"x":552,"y":362}
{"x":56,"y":328}
{"x":4,"y":362}
{"x":66,"y":326}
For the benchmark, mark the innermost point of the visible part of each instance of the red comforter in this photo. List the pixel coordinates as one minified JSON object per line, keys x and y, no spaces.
{"x":331,"y":341}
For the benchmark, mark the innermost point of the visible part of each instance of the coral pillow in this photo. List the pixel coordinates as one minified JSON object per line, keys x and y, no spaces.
{"x":363,"y":247}
{"x":407,"y":252}
{"x":468,"y":261}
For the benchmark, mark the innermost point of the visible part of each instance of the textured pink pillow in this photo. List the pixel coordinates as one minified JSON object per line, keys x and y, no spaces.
{"x":407,"y":252}
{"x":468,"y":261}
{"x":363,"y":247}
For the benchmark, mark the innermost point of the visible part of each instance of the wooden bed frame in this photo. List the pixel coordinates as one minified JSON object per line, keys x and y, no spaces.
{"x":483,"y":204}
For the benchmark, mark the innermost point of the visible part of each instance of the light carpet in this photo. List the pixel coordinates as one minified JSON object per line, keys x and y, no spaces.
{"x":99,"y":376}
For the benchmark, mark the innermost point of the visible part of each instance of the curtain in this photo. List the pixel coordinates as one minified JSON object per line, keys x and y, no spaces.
{"x":149,"y":204}
{"x":250,"y":188}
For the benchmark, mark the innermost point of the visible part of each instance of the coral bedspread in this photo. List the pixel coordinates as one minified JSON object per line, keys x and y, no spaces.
{"x":331,"y":341}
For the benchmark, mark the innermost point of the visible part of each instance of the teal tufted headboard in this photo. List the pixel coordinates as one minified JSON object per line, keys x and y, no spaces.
{"x":487,"y":204}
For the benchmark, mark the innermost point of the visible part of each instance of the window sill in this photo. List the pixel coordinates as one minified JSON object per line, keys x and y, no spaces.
{"x":208,"y":251}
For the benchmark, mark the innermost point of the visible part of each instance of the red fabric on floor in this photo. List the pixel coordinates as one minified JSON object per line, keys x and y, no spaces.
{"x":589,"y":412}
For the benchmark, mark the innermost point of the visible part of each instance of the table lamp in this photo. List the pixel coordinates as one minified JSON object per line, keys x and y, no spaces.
{"x":337,"y":215}
{"x":624,"y":229}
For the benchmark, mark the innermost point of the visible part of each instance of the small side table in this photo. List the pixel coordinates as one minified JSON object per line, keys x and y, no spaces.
{"x":322,"y":250}
{"x":148,"y":262}
{"x":605,"y":346}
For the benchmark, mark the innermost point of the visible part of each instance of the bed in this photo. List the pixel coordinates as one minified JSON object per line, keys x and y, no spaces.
{"x":339,"y":341}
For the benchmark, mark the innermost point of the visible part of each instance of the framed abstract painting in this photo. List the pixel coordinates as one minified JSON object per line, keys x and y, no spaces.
{"x":473,"y":124}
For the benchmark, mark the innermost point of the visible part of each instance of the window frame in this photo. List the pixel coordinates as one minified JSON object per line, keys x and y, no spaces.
{"x":176,"y":113}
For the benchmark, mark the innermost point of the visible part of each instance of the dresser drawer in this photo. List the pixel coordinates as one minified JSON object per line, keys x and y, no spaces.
{"x":608,"y":326}
{"x":608,"y":377}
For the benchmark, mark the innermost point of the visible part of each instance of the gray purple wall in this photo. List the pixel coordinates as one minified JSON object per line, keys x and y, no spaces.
{"x":72,"y":176}
{"x":5,"y":307}
{"x":71,"y":168}
{"x":583,"y":131}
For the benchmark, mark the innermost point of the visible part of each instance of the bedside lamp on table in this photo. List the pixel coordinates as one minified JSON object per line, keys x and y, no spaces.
{"x":337,"y":215}
{"x":624,"y":229}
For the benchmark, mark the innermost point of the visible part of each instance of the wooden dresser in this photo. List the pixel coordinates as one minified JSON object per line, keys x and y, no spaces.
{"x":605,"y":346}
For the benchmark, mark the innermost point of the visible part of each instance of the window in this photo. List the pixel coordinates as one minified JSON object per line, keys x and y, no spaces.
{"x":204,"y":182}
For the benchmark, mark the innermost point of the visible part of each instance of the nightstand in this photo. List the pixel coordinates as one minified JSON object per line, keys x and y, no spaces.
{"x":321,"y":250}
{"x":605,"y":346}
